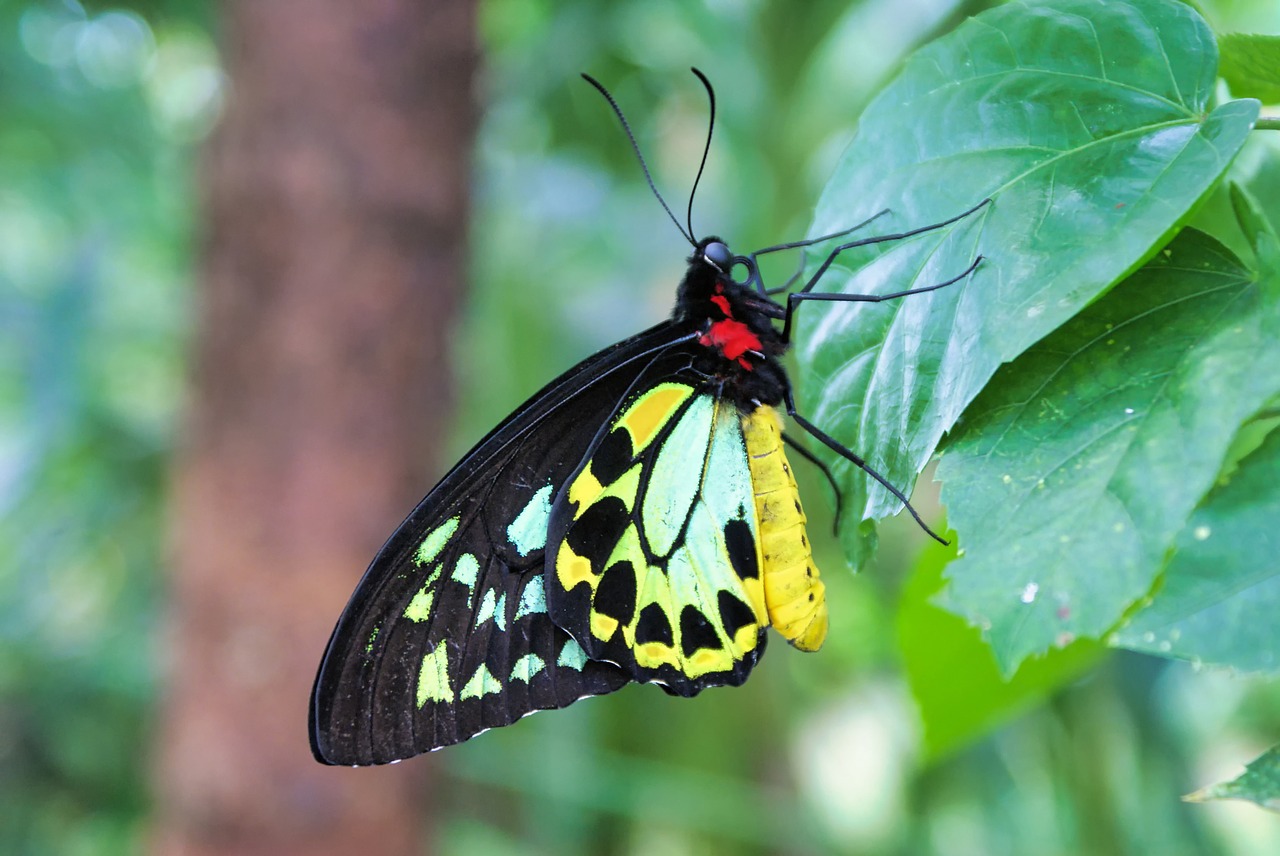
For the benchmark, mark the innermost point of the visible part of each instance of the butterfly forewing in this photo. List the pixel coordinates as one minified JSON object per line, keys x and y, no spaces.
{"x":448,"y":633}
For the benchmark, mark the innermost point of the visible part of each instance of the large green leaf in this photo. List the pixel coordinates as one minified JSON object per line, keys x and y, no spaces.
{"x":1221,"y":590}
{"x":1072,"y":474}
{"x":1087,"y":124}
{"x":1221,"y":593}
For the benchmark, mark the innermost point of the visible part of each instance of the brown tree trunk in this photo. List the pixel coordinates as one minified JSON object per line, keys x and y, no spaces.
{"x":336,"y":202}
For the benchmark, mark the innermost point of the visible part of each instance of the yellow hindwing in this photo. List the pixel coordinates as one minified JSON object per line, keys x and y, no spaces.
{"x":663,"y":536}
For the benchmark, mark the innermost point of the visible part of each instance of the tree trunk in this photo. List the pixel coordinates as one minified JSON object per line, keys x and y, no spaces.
{"x":336,"y":207}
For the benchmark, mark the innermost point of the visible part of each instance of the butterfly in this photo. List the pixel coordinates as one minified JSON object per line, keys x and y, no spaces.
{"x":636,"y":520}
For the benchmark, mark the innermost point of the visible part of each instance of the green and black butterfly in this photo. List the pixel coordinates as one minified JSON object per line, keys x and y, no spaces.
{"x":635,"y":520}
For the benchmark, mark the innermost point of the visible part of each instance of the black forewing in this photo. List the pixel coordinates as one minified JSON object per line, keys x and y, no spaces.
{"x":365,"y":706}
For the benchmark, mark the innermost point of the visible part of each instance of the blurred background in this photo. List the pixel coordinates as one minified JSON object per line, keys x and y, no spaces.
{"x":132,"y":370}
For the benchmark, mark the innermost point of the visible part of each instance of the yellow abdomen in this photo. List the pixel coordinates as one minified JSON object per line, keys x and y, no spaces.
{"x":794,"y":596}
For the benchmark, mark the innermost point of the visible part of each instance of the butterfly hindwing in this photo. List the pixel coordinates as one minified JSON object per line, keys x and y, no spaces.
{"x":655,"y":560}
{"x":449,"y":634}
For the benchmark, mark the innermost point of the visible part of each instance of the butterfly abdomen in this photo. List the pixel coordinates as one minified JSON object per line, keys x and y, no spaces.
{"x":794,"y":595}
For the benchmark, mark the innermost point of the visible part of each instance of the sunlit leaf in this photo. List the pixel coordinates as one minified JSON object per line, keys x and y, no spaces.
{"x":1088,"y":124}
{"x":1221,"y":592}
{"x":1070,"y":477}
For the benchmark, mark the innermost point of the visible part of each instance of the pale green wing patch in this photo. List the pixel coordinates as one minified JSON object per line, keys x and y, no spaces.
{"x":419,"y":608}
{"x":528,"y":532}
{"x":712,"y":598}
{"x":572,"y":656}
{"x":533,"y":599}
{"x":487,"y":605}
{"x":493,"y":607}
{"x":467,"y":570}
{"x":433,"y":677}
{"x":435,"y":541}
{"x":482,"y":683}
{"x":526,"y":667}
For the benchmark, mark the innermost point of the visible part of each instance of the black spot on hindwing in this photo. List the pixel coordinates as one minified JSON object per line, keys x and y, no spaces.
{"x":616,"y":594}
{"x":696,"y":632}
{"x":734,"y":613}
{"x":654,"y":626}
{"x":741,"y":545}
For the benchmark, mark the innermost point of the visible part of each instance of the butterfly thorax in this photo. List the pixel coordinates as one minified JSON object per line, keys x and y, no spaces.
{"x":739,"y":344}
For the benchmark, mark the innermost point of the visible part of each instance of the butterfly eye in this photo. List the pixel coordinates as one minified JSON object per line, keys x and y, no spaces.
{"x":742,"y":271}
{"x":718,"y":254}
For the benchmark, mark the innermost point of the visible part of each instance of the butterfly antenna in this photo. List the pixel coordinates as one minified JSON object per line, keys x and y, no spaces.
{"x":636,"y":146}
{"x":711,"y":126}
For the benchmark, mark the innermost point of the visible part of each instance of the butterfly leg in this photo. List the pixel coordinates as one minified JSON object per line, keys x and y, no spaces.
{"x":797,"y":297}
{"x":754,"y":266}
{"x":835,"y":446}
{"x":880,"y":239}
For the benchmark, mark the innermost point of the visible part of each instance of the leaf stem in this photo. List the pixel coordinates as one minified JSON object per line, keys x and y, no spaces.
{"x":1267,"y":123}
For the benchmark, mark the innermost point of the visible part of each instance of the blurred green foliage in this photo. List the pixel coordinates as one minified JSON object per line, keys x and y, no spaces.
{"x":97,"y":110}
{"x":817,"y":753}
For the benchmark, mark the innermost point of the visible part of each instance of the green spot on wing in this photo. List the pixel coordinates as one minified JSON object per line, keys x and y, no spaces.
{"x":373,"y":637}
{"x":500,"y":613}
{"x":533,"y":599}
{"x":435,"y":541}
{"x":419,"y":609}
{"x":526,"y":667}
{"x":486,"y":608}
{"x":467,"y":570}
{"x":433,"y":677}
{"x":482,"y":683}
{"x":528,"y":532}
{"x":572,"y":656}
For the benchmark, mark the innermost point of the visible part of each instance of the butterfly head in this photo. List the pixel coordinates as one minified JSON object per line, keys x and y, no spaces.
{"x":716,"y":253}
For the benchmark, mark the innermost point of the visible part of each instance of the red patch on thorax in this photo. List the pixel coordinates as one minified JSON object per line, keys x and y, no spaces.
{"x":730,"y":337}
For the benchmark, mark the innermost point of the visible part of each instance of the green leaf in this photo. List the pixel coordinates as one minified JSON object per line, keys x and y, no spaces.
{"x":1221,"y":591}
{"x":1259,"y":783}
{"x":958,"y":689}
{"x":1073,"y":473}
{"x":1087,"y":124}
{"x":1251,"y":65}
